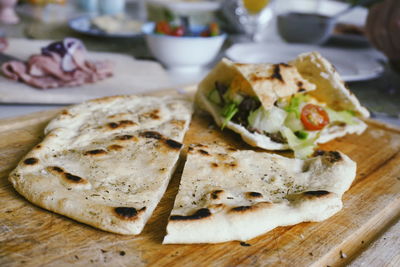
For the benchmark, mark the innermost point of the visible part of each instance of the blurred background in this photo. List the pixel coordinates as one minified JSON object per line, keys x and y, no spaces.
{"x":250,"y":31}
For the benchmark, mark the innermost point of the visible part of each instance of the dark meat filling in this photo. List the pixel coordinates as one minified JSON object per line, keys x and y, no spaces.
{"x":248,"y":105}
{"x":277,"y":137}
{"x":221,"y":89}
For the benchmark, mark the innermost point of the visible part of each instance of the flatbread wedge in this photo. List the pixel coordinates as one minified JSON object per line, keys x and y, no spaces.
{"x":227,"y":194}
{"x":106,"y":162}
{"x":269,"y":105}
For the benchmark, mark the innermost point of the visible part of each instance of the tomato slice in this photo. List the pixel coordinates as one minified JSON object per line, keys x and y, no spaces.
{"x":314,"y":117}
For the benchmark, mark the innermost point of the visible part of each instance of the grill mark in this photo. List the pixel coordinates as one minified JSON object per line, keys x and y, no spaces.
{"x":128,"y":213}
{"x":198,"y":215}
{"x":125,"y":137}
{"x":152,"y":135}
{"x":277,"y":72}
{"x":115,"y":147}
{"x":57,"y":169}
{"x":31,"y":161}
{"x":253,"y":194}
{"x":318,"y":193}
{"x":215,"y":194}
{"x":122,"y":123}
{"x":113,"y":125}
{"x":126,"y":122}
{"x":202,"y":151}
{"x":95,"y":152}
{"x":173,"y":144}
{"x":231,"y":164}
{"x":241,"y":208}
{"x":72,"y":177}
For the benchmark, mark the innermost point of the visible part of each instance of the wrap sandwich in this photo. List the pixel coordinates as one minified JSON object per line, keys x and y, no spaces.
{"x":282,"y":106}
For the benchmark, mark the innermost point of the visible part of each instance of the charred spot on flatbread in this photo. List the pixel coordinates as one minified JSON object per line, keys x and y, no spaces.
{"x":154,"y":114}
{"x":252,"y":195}
{"x":120,"y":124}
{"x":125,"y":137}
{"x":216,"y":194}
{"x":152,"y":135}
{"x":31,"y":161}
{"x":115,"y":147}
{"x":328,"y":156}
{"x":95,"y":152}
{"x":300,"y":87}
{"x":232,"y":164}
{"x":73,"y":178}
{"x":128,"y":213}
{"x":198,"y":215}
{"x":173,"y":144}
{"x":203,"y":152}
{"x":276,"y":73}
{"x":56,"y":169}
{"x":242,"y":208}
{"x":317,"y":193}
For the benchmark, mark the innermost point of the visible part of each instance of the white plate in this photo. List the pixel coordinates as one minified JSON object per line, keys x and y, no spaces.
{"x":84,"y":25}
{"x":182,"y":7}
{"x":352,"y":65}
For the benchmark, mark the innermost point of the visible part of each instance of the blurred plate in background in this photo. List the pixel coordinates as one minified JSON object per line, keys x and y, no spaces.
{"x":352,"y":64}
{"x":85,"y":25}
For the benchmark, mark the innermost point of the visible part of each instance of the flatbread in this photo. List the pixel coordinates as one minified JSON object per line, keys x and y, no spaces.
{"x":310,"y":72}
{"x":106,"y":162}
{"x":268,"y":82}
{"x":227,"y":194}
{"x":331,"y":88}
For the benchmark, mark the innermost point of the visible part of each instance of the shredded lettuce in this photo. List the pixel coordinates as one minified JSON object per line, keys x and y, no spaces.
{"x":267,"y":120}
{"x":294,"y":104}
{"x":229,"y":110}
{"x":214,"y":97}
{"x":293,"y":122}
{"x":302,"y":147}
{"x":346,"y":116}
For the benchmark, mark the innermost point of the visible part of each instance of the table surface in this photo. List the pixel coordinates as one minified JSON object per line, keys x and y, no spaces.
{"x":381,"y":96}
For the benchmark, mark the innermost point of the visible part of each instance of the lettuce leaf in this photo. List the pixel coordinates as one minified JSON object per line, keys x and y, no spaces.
{"x":302,"y":148}
{"x":267,"y":120}
{"x":229,"y":110}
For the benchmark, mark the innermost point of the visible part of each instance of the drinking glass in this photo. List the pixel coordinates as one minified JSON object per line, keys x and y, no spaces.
{"x":248,"y":16}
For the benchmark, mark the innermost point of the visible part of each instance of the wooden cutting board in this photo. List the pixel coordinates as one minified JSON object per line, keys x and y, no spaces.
{"x":31,"y":236}
{"x":131,"y":76}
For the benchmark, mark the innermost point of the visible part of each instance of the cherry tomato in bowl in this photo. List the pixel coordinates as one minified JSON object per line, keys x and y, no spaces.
{"x":162,"y":27}
{"x":177,"y":31}
{"x":314,"y":117}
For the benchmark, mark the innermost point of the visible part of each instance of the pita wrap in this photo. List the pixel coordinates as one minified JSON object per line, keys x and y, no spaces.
{"x":275,"y":87}
{"x":227,"y":194}
{"x":106,"y":162}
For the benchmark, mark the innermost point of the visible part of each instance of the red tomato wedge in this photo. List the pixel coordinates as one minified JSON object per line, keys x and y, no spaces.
{"x":314,"y":117}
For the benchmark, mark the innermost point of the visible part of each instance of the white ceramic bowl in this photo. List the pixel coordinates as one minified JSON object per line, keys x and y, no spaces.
{"x":185,"y":53}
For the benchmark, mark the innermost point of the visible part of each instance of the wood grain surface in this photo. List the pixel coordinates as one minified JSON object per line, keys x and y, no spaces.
{"x":31,"y":236}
